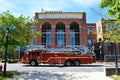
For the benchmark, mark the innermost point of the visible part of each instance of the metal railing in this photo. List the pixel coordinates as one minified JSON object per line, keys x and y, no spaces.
{"x":110,"y":60}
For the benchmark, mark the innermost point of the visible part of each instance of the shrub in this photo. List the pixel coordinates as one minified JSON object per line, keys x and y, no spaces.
{"x":9,"y":74}
{"x":12,"y":61}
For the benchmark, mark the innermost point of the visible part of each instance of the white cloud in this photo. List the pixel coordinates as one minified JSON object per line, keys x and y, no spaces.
{"x":87,"y":3}
{"x":1,"y":1}
{"x":47,"y":5}
{"x":36,"y":5}
{"x":5,"y":5}
{"x":29,"y":7}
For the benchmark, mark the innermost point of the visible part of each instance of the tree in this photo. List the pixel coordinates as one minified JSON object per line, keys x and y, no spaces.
{"x":112,"y":31}
{"x":21,"y":34}
{"x":112,"y":27}
{"x":113,"y":7}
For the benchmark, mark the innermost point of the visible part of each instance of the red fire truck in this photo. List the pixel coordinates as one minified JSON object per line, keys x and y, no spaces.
{"x":57,"y":56}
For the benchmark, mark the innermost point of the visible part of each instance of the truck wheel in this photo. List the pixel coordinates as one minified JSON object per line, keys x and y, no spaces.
{"x":68,"y":63}
{"x":76,"y":62}
{"x":33,"y":63}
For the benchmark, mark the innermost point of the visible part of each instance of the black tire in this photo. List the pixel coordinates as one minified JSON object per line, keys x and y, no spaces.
{"x":76,"y":63}
{"x":68,"y":63}
{"x":33,"y":63}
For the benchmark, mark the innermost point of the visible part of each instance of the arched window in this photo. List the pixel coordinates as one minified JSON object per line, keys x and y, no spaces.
{"x":88,"y":30}
{"x":60,"y":34}
{"x":89,"y":41}
{"x":74,"y":34}
{"x":46,"y":34}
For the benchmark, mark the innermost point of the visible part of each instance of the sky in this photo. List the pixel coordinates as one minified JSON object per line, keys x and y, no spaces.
{"x":29,"y":7}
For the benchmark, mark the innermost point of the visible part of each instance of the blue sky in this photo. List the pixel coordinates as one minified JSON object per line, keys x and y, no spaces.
{"x":29,"y":7}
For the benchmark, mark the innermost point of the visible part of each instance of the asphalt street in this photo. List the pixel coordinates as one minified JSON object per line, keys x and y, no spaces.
{"x":57,"y":72}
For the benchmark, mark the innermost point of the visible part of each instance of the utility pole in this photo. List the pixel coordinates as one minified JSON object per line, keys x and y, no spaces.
{"x":100,"y":47}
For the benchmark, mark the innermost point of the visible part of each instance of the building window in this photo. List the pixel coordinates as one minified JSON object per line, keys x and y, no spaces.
{"x":89,"y":41}
{"x":74,"y":34}
{"x":60,"y":34}
{"x":109,"y":44}
{"x":48,"y":37}
{"x":99,"y":29}
{"x":46,"y":34}
{"x":60,"y":37}
{"x":88,"y":30}
{"x":72,"y":37}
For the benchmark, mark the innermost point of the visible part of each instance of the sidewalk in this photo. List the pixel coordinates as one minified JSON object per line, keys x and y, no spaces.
{"x":43,"y":75}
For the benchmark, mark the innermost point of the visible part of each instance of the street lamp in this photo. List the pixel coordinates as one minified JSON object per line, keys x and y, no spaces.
{"x":115,"y":56}
{"x":114,"y":50}
{"x":100,"y":47}
{"x":6,"y":47}
{"x":113,"y":27}
{"x":10,"y":28}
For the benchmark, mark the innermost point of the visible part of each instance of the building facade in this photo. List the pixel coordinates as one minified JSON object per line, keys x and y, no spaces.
{"x":107,"y":47}
{"x":70,"y":28}
{"x":91,"y":34}
{"x":62,"y":28}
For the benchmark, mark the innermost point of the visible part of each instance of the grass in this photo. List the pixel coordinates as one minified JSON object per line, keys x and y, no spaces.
{"x":114,"y":77}
{"x":9,"y":74}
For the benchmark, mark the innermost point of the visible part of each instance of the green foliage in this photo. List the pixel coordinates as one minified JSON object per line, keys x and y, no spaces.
{"x":112,"y":31}
{"x":12,"y":60}
{"x":113,"y":7}
{"x":112,"y":27}
{"x":20,"y":30}
{"x":9,"y":74}
{"x":115,"y":77}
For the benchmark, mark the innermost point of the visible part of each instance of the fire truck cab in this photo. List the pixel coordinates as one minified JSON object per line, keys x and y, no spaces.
{"x":68,"y":58}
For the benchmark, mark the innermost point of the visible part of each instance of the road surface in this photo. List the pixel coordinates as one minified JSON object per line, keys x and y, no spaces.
{"x":57,"y":72}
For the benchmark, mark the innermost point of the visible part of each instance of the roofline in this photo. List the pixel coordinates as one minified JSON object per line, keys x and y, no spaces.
{"x":58,"y":12}
{"x":90,"y":23}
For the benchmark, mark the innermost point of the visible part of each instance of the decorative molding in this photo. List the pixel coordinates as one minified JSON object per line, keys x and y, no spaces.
{"x":60,"y":15}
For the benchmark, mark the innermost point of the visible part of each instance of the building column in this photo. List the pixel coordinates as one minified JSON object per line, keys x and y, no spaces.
{"x":85,"y":36}
{"x":67,"y":31}
{"x":53,"y":36}
{"x":81,"y":35}
{"x":38,"y":38}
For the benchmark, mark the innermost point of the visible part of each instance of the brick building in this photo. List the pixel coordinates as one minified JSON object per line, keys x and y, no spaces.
{"x":64,"y":28}
{"x":107,"y":48}
{"x":70,"y":28}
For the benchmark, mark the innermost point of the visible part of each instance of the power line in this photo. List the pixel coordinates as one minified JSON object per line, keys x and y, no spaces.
{"x":99,"y":13}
